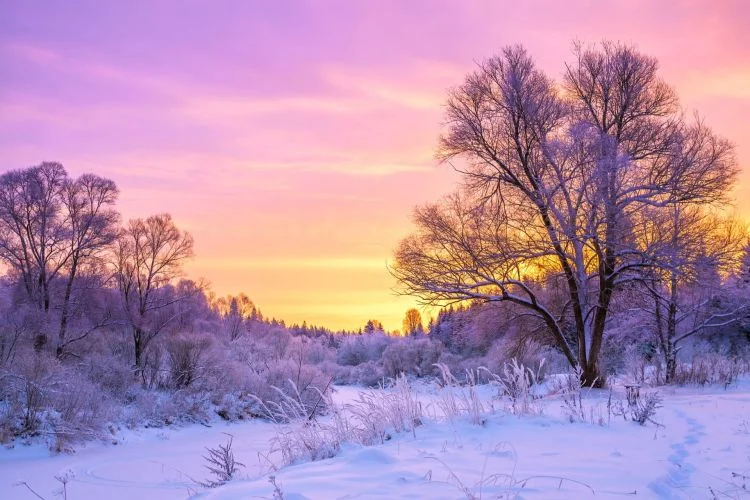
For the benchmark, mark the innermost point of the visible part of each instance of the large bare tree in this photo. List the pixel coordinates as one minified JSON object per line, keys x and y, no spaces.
{"x":32,"y":237}
{"x":91,"y":221}
{"x":52,"y":227}
{"x":555,"y":177}
{"x":149,"y":255}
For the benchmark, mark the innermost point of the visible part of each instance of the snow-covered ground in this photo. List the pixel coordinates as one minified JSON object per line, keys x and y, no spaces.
{"x":701,"y":449}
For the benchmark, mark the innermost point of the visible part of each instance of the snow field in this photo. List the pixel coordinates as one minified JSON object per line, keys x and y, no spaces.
{"x":700,"y":449}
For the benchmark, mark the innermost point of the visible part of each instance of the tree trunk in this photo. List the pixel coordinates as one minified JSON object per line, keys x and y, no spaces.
{"x":670,"y":353}
{"x":671,"y":362}
{"x":138,"y":345}
{"x":591,"y":376}
{"x":65,"y":311}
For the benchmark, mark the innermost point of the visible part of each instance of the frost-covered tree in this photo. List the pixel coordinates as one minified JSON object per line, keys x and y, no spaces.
{"x":236,"y":312}
{"x":149,"y":255}
{"x":32,"y":235}
{"x":555,"y":176}
{"x":695,"y":253}
{"x":53,"y":229}
{"x":91,"y":223}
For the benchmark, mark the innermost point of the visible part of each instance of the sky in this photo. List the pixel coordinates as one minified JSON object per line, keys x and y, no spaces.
{"x":292,"y":139}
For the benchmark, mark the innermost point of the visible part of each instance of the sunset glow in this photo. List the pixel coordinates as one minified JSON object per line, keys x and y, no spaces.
{"x":292,"y":138}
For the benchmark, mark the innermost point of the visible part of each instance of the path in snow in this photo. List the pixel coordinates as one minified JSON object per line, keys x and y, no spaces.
{"x":710,"y":441}
{"x":677,"y":481}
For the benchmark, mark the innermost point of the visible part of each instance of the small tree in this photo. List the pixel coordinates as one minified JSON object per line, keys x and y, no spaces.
{"x":413,"y":323}
{"x":373,"y":326}
{"x":235,"y":312}
{"x":695,"y":252}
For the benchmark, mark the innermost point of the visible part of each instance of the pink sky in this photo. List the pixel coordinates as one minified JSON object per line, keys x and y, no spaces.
{"x":293,"y":138}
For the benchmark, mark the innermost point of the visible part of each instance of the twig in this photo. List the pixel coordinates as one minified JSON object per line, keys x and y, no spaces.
{"x":523,"y":482}
{"x":24,"y":483}
{"x":320,"y":398}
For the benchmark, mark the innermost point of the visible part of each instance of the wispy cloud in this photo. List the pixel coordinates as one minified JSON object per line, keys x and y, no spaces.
{"x":421,"y":87}
{"x":202,"y":107}
{"x":292,"y":263}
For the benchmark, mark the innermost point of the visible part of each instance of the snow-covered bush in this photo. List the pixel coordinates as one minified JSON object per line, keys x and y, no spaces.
{"x":368,"y":374}
{"x":235,"y":406}
{"x":222,"y":465}
{"x":459,"y":399}
{"x":580,"y":404}
{"x":187,"y":354}
{"x":285,"y":378}
{"x":710,"y":368}
{"x":304,"y":438}
{"x":392,"y":409}
{"x":111,"y":373}
{"x":526,"y":353}
{"x":358,"y":349}
{"x":369,"y":419}
{"x":515,"y":382}
{"x":644,"y":408}
{"x":43,"y":397}
{"x":412,"y":356}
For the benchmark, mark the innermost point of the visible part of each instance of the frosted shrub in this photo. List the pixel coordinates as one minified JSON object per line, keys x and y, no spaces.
{"x":358,"y":349}
{"x":710,"y":368}
{"x":276,"y":341}
{"x":575,"y":407}
{"x":370,"y":419}
{"x":515,"y":382}
{"x":154,"y":372}
{"x":286,"y":379}
{"x":112,"y":374}
{"x":571,"y":398}
{"x":309,"y":351}
{"x":368,"y":374}
{"x":639,"y":369}
{"x":233,"y":407}
{"x":257,"y":350}
{"x":302,"y":436}
{"x":459,"y":399}
{"x":43,"y":397}
{"x":16,"y":325}
{"x":80,"y":409}
{"x":378,"y":412}
{"x":645,"y":408}
{"x":222,"y":465}
{"x":525,"y":352}
{"x":303,"y":441}
{"x":412,"y":356}
{"x":304,"y":381}
{"x":31,"y":388}
{"x":187,"y":358}
{"x":341,"y":375}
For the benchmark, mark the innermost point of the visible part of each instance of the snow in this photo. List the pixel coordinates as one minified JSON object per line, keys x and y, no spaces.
{"x":702,"y":440}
